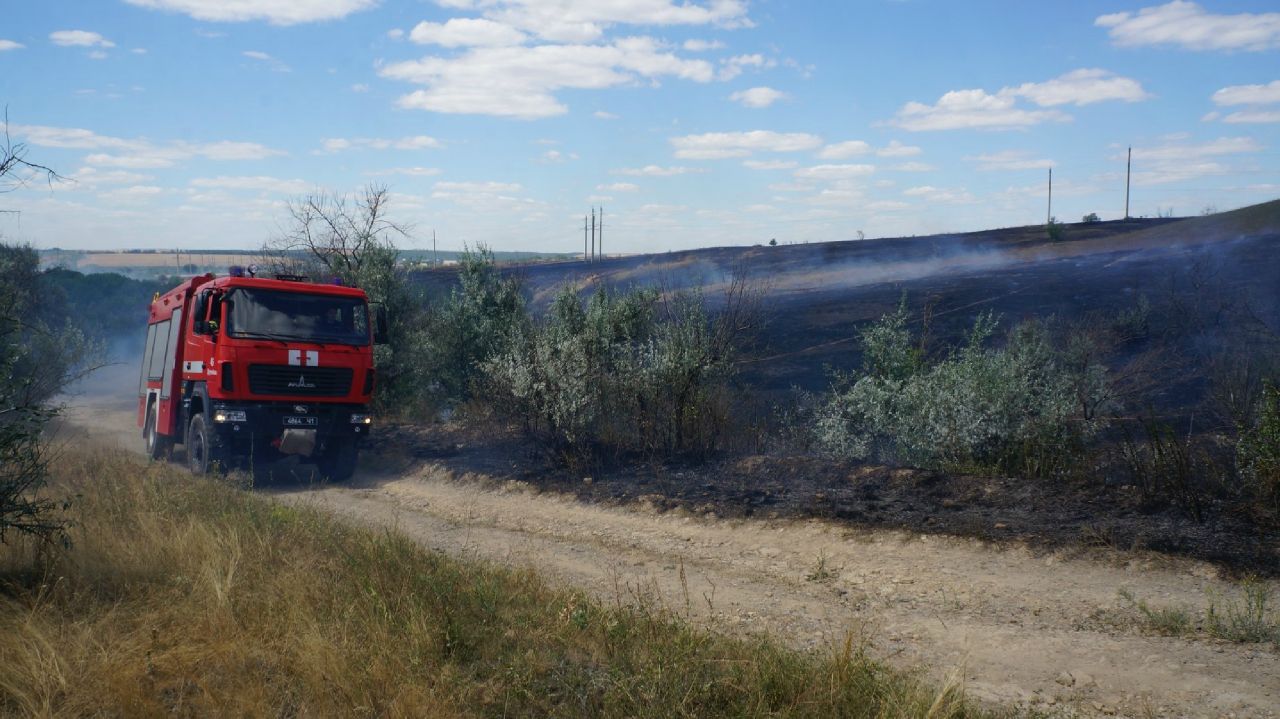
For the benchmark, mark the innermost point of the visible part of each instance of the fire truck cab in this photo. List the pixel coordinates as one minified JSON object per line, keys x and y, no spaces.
{"x":245,"y":370}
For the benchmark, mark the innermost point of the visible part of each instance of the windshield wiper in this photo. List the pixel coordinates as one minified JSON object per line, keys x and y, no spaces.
{"x":282,"y":339}
{"x":316,"y":340}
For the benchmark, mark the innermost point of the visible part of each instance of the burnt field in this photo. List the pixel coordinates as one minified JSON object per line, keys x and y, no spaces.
{"x":1187,"y":312}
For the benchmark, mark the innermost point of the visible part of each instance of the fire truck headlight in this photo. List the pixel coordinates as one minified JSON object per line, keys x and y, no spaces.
{"x":229,"y":415}
{"x":361,"y":419}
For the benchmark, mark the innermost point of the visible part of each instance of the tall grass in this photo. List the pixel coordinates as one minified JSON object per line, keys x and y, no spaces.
{"x":189,"y":597}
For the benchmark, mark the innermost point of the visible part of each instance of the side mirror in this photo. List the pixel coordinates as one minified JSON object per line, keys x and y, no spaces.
{"x":380,"y":325}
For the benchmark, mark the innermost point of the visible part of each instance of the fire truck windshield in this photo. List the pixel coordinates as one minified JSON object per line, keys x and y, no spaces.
{"x":298,"y":316}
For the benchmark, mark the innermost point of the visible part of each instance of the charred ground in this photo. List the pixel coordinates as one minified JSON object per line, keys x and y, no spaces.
{"x":1187,"y":313}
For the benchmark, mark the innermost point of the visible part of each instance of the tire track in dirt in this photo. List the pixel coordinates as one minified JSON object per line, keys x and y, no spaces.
{"x":1018,"y":625}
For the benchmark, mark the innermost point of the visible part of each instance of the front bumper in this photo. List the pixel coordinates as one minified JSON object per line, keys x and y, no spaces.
{"x":242,"y":425}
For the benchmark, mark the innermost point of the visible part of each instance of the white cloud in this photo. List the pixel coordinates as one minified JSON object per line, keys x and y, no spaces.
{"x":138,"y":153}
{"x":1248,"y":94}
{"x":71,"y":137}
{"x":964,"y":109}
{"x":488,"y":196}
{"x":769,"y":164}
{"x":139,"y":51}
{"x":79,"y":38}
{"x":897,"y":149}
{"x":912,"y":167}
{"x":696,"y":45}
{"x":844,"y":150}
{"x":834,"y":172}
{"x":6,"y":45}
{"x":412,"y":142}
{"x":1189,"y":26}
{"x":553,"y":156}
{"x":602,"y":115}
{"x":136,"y":193}
{"x":1081,"y":87}
{"x":276,"y":12}
{"x":733,"y":67}
{"x":1188,"y":151}
{"x":97,"y":55}
{"x":1177,"y":161}
{"x":657,"y":171}
{"x":521,"y":81}
{"x":978,"y":109}
{"x":937,"y":195}
{"x":488,"y":187}
{"x":360,"y":87}
{"x":618,"y":187}
{"x":757,"y":96}
{"x":577,"y":21}
{"x":466,"y":32}
{"x":92,"y":177}
{"x":395,"y":33}
{"x":721,"y":145}
{"x":1009,"y":160}
{"x":1252,"y":116}
{"x":886,"y":205}
{"x":134,"y":162}
{"x":409,"y":171}
{"x":276,"y":65}
{"x":254,"y":183}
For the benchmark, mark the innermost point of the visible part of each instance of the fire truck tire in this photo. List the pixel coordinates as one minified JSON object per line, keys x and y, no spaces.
{"x":202,"y":451}
{"x":338,"y":462}
{"x":157,"y":445}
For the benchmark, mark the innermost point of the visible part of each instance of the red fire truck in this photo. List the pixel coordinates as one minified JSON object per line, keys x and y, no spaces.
{"x":244,"y":370}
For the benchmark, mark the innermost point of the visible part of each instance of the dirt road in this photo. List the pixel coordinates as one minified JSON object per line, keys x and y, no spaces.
{"x":1022,"y":628}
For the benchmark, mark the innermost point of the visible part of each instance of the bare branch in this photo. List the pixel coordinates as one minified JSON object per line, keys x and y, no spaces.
{"x":15,"y":169}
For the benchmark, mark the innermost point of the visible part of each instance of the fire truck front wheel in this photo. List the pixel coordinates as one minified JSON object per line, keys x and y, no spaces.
{"x":338,"y":462}
{"x":202,"y":446}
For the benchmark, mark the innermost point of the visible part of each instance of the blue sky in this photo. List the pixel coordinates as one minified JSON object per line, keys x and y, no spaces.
{"x":191,"y":123}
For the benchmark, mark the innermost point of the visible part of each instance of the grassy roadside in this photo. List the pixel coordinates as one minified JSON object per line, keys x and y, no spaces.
{"x":186,"y":597}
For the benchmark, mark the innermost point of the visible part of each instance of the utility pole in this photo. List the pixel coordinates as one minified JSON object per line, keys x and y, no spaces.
{"x":435,"y":254}
{"x":585,"y":256}
{"x":602,"y":231}
{"x":1128,"y":172}
{"x":593,"y":234}
{"x":1048,"y":216}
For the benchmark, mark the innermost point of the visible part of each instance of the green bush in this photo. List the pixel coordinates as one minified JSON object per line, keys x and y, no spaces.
{"x":1056,"y":231}
{"x":1258,"y":452}
{"x":1013,"y":408}
{"x":622,"y":373}
{"x":475,"y":323}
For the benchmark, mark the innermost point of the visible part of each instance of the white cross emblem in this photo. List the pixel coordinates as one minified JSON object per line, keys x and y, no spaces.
{"x":310,"y":359}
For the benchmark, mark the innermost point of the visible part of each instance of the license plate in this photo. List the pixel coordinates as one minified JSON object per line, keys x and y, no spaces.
{"x":300,"y":421}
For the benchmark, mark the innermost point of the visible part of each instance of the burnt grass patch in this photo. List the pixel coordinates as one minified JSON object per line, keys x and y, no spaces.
{"x":1040,"y":515}
{"x":1191,"y":306}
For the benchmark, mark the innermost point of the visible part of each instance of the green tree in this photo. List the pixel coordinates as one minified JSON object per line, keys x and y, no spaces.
{"x":41,"y":352}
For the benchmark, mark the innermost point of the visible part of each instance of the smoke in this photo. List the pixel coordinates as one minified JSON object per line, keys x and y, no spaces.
{"x":114,"y":382}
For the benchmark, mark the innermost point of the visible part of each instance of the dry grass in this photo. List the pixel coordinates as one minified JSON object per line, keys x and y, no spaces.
{"x":194,"y":598}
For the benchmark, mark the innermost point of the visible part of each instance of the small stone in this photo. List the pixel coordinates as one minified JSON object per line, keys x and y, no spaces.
{"x":1065,"y":679}
{"x":1001,"y":525}
{"x":587,"y":480}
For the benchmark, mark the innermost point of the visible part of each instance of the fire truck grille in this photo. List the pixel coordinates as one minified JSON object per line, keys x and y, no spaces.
{"x":299,"y":381}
